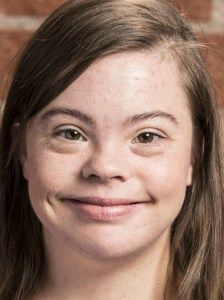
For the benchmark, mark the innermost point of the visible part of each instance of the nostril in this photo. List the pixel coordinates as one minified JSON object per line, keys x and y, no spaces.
{"x":105,"y":170}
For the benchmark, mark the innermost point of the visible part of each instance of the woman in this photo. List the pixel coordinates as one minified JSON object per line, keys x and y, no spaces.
{"x":111,"y":183}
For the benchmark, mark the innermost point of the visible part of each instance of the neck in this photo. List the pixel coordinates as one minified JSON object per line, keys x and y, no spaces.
{"x":138,"y":276}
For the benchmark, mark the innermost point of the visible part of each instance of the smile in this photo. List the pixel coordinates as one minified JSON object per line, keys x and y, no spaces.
{"x":104,"y":212}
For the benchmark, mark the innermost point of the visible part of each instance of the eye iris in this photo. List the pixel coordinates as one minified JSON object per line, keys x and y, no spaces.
{"x":71,"y":134}
{"x":146,"y":137}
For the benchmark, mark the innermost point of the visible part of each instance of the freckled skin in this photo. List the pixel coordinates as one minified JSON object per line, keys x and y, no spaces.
{"x":107,"y":164}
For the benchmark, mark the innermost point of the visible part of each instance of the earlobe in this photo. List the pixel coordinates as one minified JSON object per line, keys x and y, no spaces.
{"x":189,"y":175}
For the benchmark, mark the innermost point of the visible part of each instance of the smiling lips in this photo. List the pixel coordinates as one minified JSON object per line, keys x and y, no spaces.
{"x":102,"y":209}
{"x":106,"y":202}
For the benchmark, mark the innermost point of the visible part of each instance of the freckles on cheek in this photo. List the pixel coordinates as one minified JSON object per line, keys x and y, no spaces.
{"x":166,"y":179}
{"x":48,"y":177}
{"x":50,"y":172}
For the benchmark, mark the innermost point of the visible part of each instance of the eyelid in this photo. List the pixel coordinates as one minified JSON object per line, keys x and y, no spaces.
{"x":159,"y":136}
{"x":153,"y":131}
{"x":67,"y":127}
{"x":56,"y":132}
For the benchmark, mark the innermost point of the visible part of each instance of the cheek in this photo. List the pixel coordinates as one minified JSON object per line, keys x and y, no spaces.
{"x":48,"y":174}
{"x":165,"y":179}
{"x":165,"y":184}
{"x":49,"y":169}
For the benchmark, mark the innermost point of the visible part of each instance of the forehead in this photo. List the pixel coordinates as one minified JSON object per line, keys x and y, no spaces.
{"x":127,"y":82}
{"x":130,"y":67}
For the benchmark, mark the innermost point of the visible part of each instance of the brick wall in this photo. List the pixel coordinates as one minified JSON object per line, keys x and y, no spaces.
{"x":18,"y":18}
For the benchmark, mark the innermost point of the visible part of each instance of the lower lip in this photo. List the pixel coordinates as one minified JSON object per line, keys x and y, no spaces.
{"x":105,"y":213}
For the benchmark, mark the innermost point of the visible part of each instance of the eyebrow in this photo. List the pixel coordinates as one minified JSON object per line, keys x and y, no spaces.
{"x":129,"y":122}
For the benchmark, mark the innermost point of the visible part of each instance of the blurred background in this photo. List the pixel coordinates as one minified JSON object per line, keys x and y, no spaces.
{"x":19,"y":18}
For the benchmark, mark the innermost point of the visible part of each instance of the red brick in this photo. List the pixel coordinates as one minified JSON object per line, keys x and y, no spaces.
{"x":214,"y":56}
{"x":194,"y":9}
{"x":10,"y":43}
{"x":200,"y":9}
{"x":29,"y":7}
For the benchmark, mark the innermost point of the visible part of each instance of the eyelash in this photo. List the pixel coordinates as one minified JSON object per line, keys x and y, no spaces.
{"x":59,"y":132}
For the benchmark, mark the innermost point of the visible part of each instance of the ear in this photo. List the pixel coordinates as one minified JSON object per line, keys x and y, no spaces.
{"x":23,"y":156}
{"x":189,"y":175}
{"x":24,"y":164}
{"x":21,"y":149}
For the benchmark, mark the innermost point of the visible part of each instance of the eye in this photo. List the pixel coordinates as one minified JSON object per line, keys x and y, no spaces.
{"x":147,"y":137}
{"x":69,"y":134}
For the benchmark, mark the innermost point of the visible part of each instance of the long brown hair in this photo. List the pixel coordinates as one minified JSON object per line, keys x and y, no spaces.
{"x":71,"y":39}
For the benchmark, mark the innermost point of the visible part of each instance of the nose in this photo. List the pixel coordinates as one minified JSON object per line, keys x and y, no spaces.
{"x":106,"y":165}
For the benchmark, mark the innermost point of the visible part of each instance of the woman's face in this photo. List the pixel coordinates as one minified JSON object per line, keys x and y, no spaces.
{"x":68,"y":155}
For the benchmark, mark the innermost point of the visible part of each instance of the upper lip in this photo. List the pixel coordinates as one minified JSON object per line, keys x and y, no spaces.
{"x":105,"y":201}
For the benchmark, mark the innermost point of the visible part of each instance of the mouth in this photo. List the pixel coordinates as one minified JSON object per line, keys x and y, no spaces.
{"x":104,"y":201}
{"x":96,"y":209}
